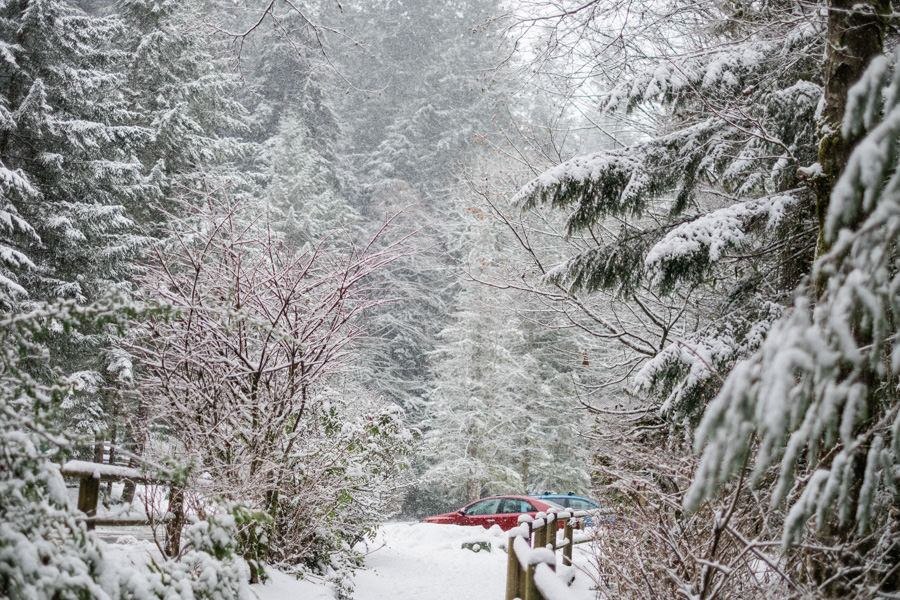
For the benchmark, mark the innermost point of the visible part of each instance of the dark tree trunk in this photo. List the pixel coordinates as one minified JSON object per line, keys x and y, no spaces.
{"x":113,"y":433}
{"x":855,"y":35}
{"x":173,"y":526}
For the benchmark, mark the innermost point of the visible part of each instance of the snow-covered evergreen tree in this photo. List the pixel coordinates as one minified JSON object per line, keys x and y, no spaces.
{"x":173,"y":82}
{"x":179,"y":84}
{"x":69,"y":146}
{"x":303,"y":176}
{"x":476,"y":414}
{"x":423,"y":90}
{"x":730,"y":120}
{"x":726,"y":193}
{"x":71,"y":136}
{"x":416,"y":94}
{"x":818,"y":401}
{"x":303,"y":188}
{"x":500,"y":418}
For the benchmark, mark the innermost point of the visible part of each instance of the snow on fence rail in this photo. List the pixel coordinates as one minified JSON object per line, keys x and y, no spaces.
{"x":531,"y":565}
{"x":90,"y":474}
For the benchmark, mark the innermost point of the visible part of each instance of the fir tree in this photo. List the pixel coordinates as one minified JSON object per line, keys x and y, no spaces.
{"x":498,"y":418}
{"x":711,"y":198}
{"x":417,"y":93}
{"x":179,"y":85}
{"x":70,"y":145}
{"x":71,"y":136}
{"x":729,"y":194}
{"x":818,"y":401}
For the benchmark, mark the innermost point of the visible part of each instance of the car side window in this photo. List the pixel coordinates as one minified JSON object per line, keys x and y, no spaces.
{"x":485,"y":507}
{"x":581,"y":504}
{"x":528,"y":507}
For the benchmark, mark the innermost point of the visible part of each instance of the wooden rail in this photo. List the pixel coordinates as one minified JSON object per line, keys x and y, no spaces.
{"x":90,"y":475}
{"x":531,"y":549}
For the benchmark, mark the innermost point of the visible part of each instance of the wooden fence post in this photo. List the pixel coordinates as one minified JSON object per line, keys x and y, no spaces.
{"x":88,"y":495}
{"x":540,"y":536}
{"x":521,"y":565}
{"x":550,"y":535}
{"x":90,"y":475}
{"x":513,"y":572}
{"x":531,"y":591}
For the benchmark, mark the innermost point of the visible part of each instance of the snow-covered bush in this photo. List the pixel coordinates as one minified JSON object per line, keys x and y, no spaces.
{"x":45,"y":552}
{"x":248,"y":380}
{"x":349,"y":477}
{"x":209,"y":566}
{"x":655,"y":549}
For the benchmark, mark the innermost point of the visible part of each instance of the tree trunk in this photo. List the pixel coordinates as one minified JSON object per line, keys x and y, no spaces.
{"x":137,"y":432}
{"x":855,"y":35}
{"x":524,"y":467}
{"x":473,"y":490}
{"x":113,"y":432}
{"x":176,"y":522}
{"x":99,"y":449}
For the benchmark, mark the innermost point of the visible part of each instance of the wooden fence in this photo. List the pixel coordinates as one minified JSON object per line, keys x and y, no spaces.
{"x":531,"y":562}
{"x":532,"y":545}
{"x":91,"y":474}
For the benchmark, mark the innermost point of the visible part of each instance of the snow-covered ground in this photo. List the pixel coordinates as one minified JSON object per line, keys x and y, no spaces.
{"x":405,"y":561}
{"x":422,"y":561}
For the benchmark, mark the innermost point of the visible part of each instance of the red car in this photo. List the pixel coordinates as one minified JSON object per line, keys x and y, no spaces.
{"x":494,"y":510}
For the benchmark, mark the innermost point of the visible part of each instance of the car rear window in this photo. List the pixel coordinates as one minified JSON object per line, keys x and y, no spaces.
{"x":517,"y":505}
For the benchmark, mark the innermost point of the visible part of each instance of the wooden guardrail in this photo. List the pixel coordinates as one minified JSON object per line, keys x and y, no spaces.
{"x":90,"y":474}
{"x":531,"y":549}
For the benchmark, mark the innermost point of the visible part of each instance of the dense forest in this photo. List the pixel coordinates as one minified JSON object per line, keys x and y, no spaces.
{"x":314,"y":262}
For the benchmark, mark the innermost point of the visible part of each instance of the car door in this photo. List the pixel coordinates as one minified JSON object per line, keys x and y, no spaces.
{"x":511,"y":509}
{"x":484,"y":513}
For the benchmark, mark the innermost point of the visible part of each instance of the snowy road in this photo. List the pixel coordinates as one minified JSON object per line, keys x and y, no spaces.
{"x":424,"y":560}
{"x":419,"y":561}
